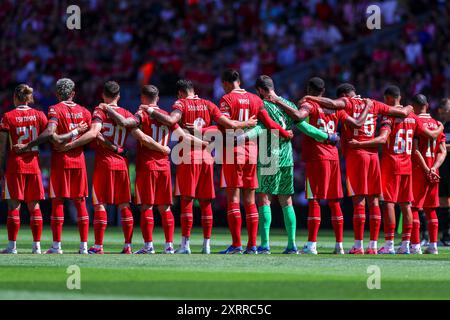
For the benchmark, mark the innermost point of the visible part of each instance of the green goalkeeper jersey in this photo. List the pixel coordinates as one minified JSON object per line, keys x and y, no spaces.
{"x":284,"y":150}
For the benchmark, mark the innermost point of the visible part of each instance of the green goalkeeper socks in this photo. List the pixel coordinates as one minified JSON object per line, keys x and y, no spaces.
{"x":265,"y":219}
{"x":290,"y":222}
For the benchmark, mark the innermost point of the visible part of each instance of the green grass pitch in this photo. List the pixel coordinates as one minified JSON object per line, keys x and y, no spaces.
{"x":276,"y":276}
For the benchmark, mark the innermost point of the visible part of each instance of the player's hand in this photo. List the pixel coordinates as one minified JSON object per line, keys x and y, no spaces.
{"x":63,"y":147}
{"x":433,"y":176}
{"x":303,"y":100}
{"x":165,"y":150}
{"x":103,"y":106}
{"x":290,"y":135}
{"x":409,"y":109}
{"x":252,"y":122}
{"x":272,"y":97}
{"x":333,"y":139}
{"x":368,"y":102}
{"x":20,"y":148}
{"x":82,"y":127}
{"x":122,"y":152}
{"x":353,"y":143}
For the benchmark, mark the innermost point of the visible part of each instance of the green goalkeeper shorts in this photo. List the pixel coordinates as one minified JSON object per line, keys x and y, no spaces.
{"x":282,"y":182}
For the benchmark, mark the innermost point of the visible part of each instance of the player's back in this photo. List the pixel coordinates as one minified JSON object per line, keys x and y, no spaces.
{"x":240,"y":105}
{"x":67,"y":115}
{"x":354,"y":107}
{"x":148,"y":159}
{"x":398,"y":148}
{"x":197,"y":111}
{"x":326,"y":120}
{"x":115,"y":134}
{"x":428,"y":147}
{"x":23,"y":124}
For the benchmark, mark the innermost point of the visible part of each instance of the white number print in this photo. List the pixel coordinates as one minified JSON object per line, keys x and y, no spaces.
{"x":243,"y":114}
{"x":118,"y":132}
{"x":403,"y":141}
{"x":328,"y":127}
{"x":369,"y":125}
{"x":431,"y":146}
{"x":27,"y":134}
{"x":160,"y":134}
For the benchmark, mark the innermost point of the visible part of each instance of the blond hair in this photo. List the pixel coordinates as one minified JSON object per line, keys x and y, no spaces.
{"x":24,"y":93}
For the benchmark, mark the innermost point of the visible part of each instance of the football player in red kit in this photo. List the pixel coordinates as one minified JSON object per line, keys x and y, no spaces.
{"x":396,"y":136}
{"x":153,"y":179}
{"x":68,"y":179}
{"x":363,"y":174}
{"x":111,"y":183}
{"x":23,"y":181}
{"x":239,"y":172}
{"x":428,"y":156}
{"x":194,"y":180}
{"x":323,"y":174}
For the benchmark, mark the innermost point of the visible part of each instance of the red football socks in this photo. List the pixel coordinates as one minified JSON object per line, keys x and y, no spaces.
{"x":432,"y":224}
{"x":337,"y":219}
{"x":187,"y":217}
{"x":359,"y":219}
{"x":83,"y":219}
{"x":36,"y":224}
{"x":375,"y":222}
{"x":127,"y":224}
{"x":235,"y":223}
{"x":415,"y":232}
{"x":313,"y":220}
{"x":168,"y":223}
{"x":252,"y":219}
{"x":147,"y":224}
{"x":13,"y":224}
{"x":207,"y":218}
{"x":57,"y":219}
{"x":100,"y":223}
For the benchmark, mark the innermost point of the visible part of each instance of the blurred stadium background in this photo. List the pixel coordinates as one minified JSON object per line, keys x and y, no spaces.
{"x":138,"y":42}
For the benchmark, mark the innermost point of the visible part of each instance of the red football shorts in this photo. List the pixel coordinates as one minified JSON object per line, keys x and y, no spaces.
{"x":239,"y":176}
{"x":195,"y":180}
{"x":323,"y":180}
{"x":363,"y":174}
{"x":110,"y":186}
{"x":23,"y":187}
{"x":426,"y":194}
{"x":153,"y":187}
{"x":397,"y":188}
{"x":68,"y":183}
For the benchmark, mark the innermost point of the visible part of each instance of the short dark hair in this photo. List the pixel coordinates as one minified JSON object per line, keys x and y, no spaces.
{"x":64,"y":88}
{"x":316,"y":85}
{"x":344,"y":88}
{"x":150,"y":91}
{"x":111,"y":89}
{"x":392,"y":91}
{"x":264,"y":82}
{"x":444,"y":103}
{"x":230,"y":76}
{"x":419,"y":100}
{"x":184,"y":85}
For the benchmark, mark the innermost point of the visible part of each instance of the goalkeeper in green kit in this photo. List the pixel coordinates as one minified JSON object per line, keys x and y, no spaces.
{"x":278,"y":180}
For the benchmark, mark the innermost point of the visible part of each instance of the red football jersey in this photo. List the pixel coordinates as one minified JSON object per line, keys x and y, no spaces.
{"x":240,"y":105}
{"x":23,"y":124}
{"x":147,"y":159}
{"x":398,"y":148}
{"x":327,"y":121}
{"x":199,"y":112}
{"x":428,"y":147}
{"x":114,"y":134}
{"x":67,"y":115}
{"x":354,"y":107}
